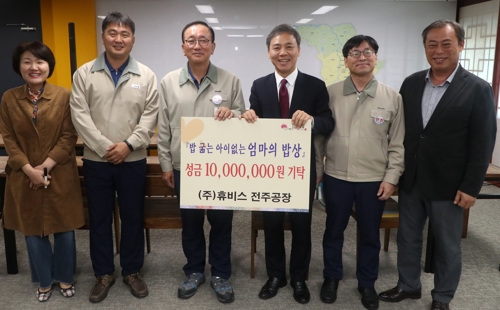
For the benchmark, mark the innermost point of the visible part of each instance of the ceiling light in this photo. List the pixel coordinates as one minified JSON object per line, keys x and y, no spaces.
{"x":324,"y":9}
{"x":303,"y":21}
{"x":217,"y":28}
{"x":254,"y":35}
{"x":235,"y":35}
{"x":101,"y":16}
{"x":205,"y":9}
{"x":239,"y":27}
{"x":212,"y":20}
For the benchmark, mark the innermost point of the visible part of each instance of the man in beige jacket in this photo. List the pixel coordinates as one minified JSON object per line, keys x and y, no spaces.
{"x":198,"y":89}
{"x":114,"y":107}
{"x":364,"y":160}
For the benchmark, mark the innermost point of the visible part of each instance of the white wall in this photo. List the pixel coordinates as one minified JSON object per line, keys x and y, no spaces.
{"x":396,"y":25}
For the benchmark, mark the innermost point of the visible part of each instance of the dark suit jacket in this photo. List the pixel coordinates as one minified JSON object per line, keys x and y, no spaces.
{"x":309,"y":95}
{"x":453,"y":151}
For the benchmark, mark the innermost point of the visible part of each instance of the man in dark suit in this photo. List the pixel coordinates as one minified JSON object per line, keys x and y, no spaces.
{"x":288,"y":93}
{"x":450,"y":134}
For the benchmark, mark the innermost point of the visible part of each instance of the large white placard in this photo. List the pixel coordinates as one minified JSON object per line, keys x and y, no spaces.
{"x":236,"y":165}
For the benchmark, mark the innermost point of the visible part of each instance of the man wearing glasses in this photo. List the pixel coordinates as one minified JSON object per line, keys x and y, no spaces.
{"x":198,"y":89}
{"x":364,"y":160}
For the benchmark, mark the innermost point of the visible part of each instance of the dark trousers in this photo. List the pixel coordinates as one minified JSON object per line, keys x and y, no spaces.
{"x":339,"y":199}
{"x":274,"y":236}
{"x":128,"y":180}
{"x":193,"y":238}
{"x":446,"y":219}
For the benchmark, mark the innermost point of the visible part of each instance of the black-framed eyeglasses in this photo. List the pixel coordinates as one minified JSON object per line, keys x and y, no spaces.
{"x":357,"y":54}
{"x":192,"y":42}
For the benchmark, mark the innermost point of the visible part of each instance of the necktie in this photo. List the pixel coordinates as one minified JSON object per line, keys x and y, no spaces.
{"x":284,"y":100}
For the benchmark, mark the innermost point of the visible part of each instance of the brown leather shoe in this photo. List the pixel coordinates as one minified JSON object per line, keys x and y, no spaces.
{"x":438,"y":305}
{"x":138,"y":287}
{"x":397,"y":294}
{"x":101,"y":287}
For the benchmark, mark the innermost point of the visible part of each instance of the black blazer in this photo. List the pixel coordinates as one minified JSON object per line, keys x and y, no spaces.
{"x":453,"y":151}
{"x":309,"y":95}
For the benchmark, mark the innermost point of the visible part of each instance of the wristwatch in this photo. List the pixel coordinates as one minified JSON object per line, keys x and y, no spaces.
{"x":129,"y":145}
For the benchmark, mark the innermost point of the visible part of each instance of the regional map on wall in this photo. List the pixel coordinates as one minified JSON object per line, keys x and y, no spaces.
{"x":329,"y":41}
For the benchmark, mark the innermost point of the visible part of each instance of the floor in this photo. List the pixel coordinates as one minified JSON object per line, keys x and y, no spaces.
{"x":479,"y":287}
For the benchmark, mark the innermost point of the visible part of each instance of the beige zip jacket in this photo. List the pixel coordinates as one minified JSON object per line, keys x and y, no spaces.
{"x":366,"y":144}
{"x":104,"y":114}
{"x":179,"y":97}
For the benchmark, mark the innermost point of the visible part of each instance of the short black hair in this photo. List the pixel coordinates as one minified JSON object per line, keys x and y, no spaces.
{"x":459,"y":30}
{"x":280,"y":29}
{"x":356,"y":41}
{"x":38,"y":49}
{"x":119,"y":19}
{"x":198,"y":22}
